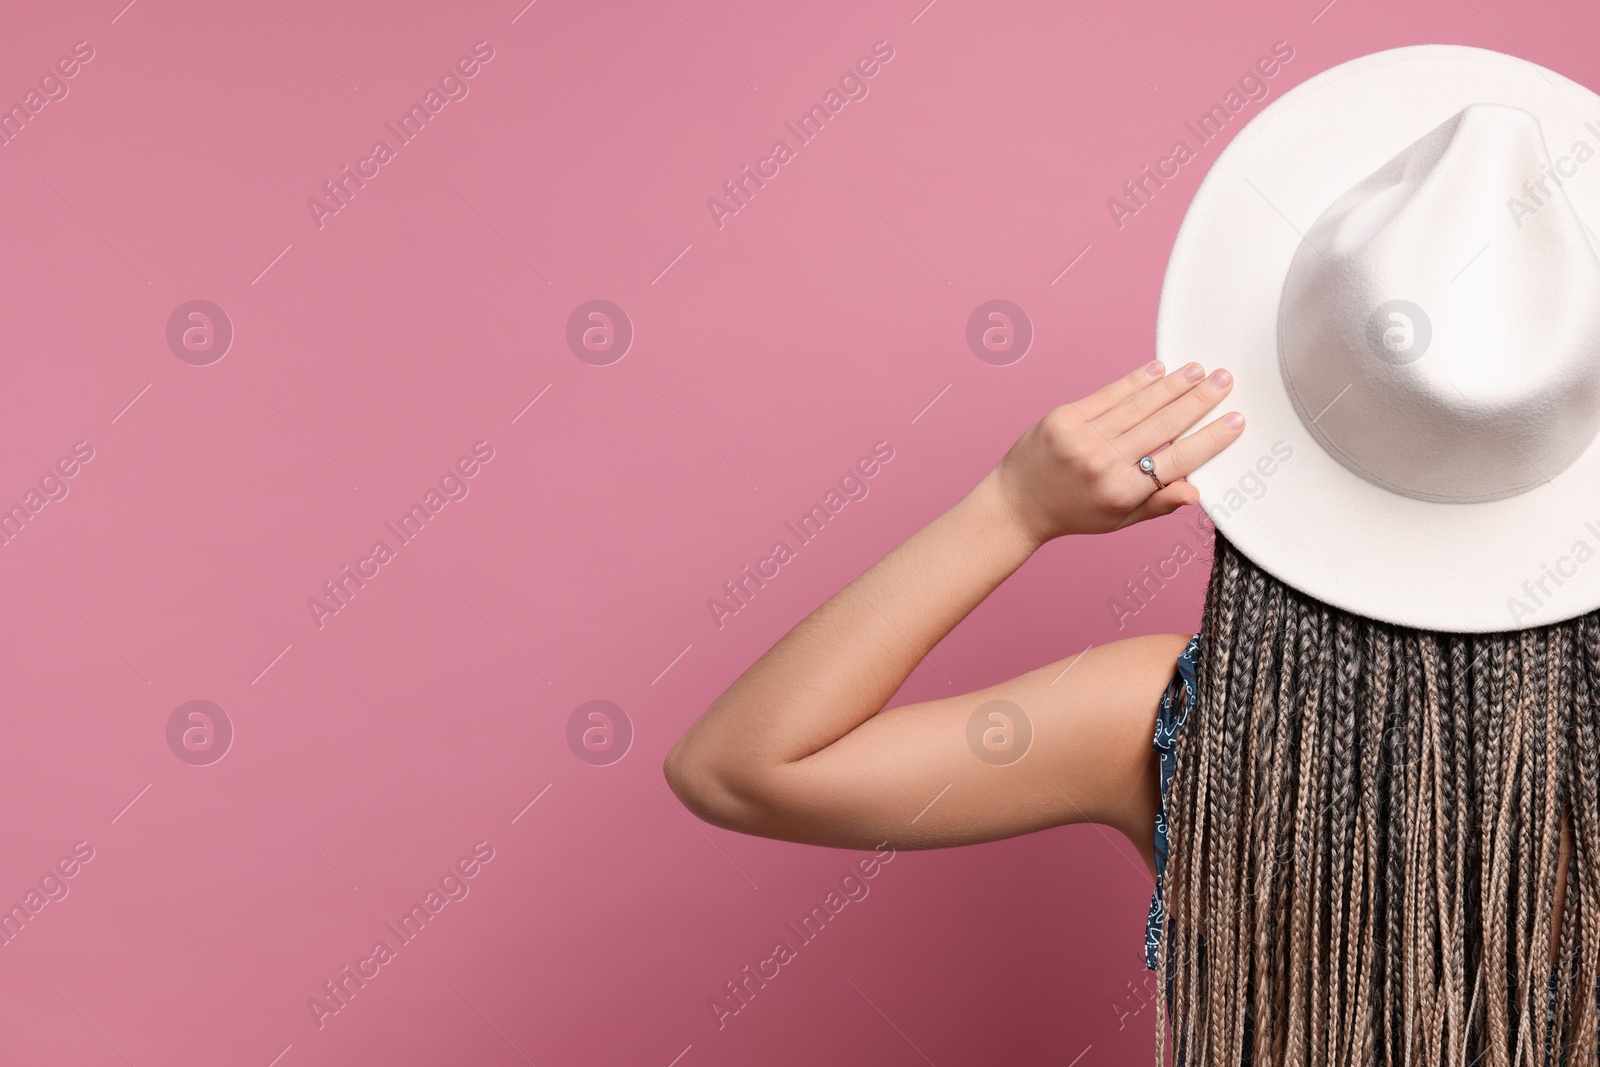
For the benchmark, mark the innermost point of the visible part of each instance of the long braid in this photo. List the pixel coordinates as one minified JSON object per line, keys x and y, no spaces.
{"x":1431,"y":852}
{"x":1366,"y":833}
{"x":1388,"y":783}
{"x":1456,"y":799}
{"x":1344,"y":906}
{"x":1546,"y":750}
{"x":1561,"y":727}
{"x":1320,"y":832}
{"x":1375,"y":694}
{"x":1518,"y":841}
{"x":1298,"y":917}
{"x":1491,"y":878}
{"x":1584,"y":880}
{"x":1480,"y":682}
{"x":1259,"y":724}
{"x":1178,"y":954}
{"x":1404,"y":816}
{"x":1224,"y":869}
{"x":1267,"y":816}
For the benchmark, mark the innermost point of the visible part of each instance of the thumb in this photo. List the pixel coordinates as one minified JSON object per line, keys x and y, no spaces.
{"x":1164,"y":502}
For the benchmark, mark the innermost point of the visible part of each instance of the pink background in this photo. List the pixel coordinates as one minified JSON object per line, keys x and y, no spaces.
{"x":372,"y":351}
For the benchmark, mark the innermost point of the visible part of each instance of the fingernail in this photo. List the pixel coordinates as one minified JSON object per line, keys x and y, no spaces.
{"x":1153,"y":368}
{"x":1194,"y":372}
{"x":1233,"y":420}
{"x":1220,"y":377}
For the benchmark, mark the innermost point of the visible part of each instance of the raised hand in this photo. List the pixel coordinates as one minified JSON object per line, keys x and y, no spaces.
{"x":1076,"y":470}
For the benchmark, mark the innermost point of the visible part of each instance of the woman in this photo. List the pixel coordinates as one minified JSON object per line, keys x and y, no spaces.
{"x":1317,"y":727}
{"x":1367,"y":786}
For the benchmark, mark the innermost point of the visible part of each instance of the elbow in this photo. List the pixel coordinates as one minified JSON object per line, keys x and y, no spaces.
{"x":708,"y":793}
{"x":683,"y":778}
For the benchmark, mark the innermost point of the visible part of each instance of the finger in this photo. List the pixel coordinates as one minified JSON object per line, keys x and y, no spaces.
{"x":1147,"y":401}
{"x":1173,"y":420}
{"x":1103,"y":400}
{"x":1164,"y":502}
{"x":1182,"y":458}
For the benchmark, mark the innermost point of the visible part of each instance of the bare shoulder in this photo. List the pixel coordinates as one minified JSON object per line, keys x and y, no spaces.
{"x":1126,"y":688}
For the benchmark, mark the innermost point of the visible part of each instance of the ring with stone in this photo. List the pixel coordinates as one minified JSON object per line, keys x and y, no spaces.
{"x":1148,"y":465}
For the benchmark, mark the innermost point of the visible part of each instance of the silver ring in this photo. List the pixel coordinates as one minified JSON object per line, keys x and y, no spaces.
{"x":1148,"y":465}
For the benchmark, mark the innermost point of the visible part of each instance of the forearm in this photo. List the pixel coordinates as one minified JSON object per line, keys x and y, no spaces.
{"x":845,"y":661}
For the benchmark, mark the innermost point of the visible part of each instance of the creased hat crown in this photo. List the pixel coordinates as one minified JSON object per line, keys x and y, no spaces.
{"x":1439,"y":325}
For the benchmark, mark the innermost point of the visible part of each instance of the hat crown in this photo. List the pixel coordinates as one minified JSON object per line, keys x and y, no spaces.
{"x":1439,"y":325}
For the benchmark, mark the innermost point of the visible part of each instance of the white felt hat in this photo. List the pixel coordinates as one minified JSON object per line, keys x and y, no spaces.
{"x":1397,"y":260}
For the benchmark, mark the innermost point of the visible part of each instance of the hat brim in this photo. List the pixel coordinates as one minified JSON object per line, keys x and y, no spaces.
{"x":1298,"y":513}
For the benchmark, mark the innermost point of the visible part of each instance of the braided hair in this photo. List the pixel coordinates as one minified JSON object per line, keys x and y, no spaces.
{"x":1366,"y":823}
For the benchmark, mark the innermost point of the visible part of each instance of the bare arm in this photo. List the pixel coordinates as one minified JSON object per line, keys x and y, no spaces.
{"x":798,"y":747}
